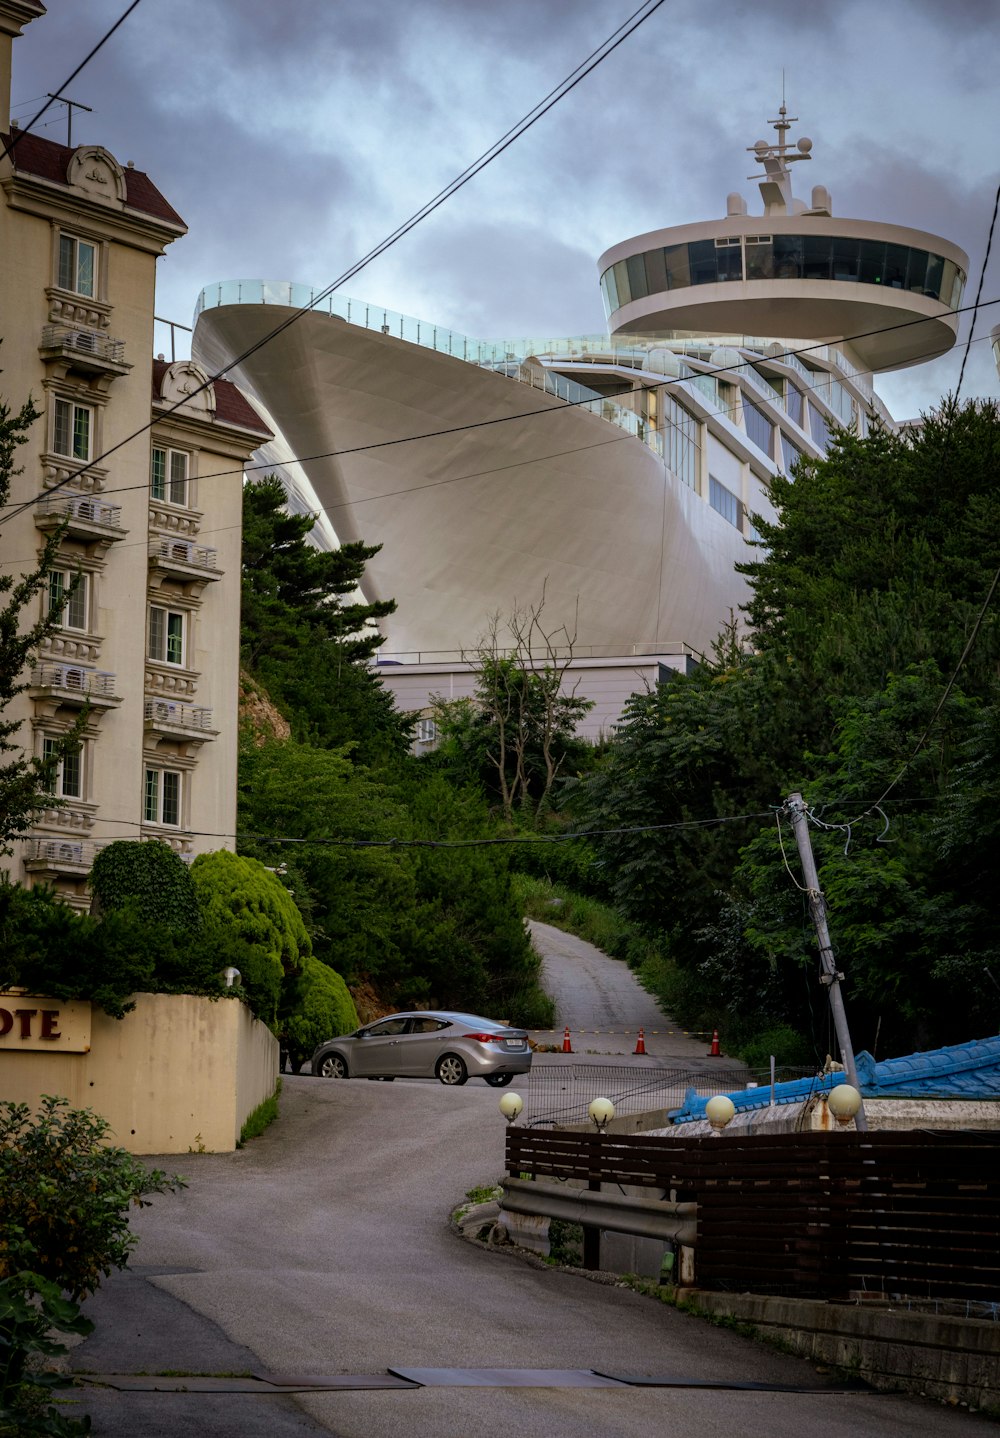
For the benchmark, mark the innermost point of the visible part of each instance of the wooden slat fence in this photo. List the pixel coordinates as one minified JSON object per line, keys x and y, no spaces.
{"x":915,"y":1213}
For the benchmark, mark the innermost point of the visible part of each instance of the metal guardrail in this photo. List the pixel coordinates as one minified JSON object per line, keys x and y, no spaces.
{"x":183,"y":551}
{"x":182,"y":716}
{"x":83,"y":507}
{"x":618,"y":1212}
{"x":74,"y":678}
{"x":72,"y":339}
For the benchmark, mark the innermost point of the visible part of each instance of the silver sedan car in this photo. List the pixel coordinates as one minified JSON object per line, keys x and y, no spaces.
{"x":429,"y":1044}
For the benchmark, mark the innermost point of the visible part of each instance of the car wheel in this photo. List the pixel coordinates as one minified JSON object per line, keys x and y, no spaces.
{"x":498,"y":1080}
{"x":451,"y":1070}
{"x":332,"y":1066}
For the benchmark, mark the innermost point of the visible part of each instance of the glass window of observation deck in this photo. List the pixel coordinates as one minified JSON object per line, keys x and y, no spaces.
{"x":636,"y":268}
{"x":845,"y":258}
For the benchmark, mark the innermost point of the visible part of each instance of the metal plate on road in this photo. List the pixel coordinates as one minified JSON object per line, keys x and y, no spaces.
{"x":507,"y":1377}
{"x":634,"y":1380}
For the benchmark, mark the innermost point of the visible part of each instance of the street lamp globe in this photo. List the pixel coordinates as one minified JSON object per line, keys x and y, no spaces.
{"x":602,"y":1111}
{"x":719,"y":1111}
{"x":844,"y":1102}
{"x":511,"y":1105}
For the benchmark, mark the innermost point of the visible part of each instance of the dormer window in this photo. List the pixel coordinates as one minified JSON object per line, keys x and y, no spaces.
{"x":77,"y":266}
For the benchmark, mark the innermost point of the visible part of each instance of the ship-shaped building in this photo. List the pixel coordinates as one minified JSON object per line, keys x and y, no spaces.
{"x":617,"y":473}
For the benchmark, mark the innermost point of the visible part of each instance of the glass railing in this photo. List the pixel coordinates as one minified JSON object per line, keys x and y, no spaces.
{"x":503,"y":357}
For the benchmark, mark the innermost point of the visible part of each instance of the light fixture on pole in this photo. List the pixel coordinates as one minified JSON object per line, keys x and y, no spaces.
{"x":719,"y":1111}
{"x":602,"y":1111}
{"x":231,"y":976}
{"x":511,"y":1105}
{"x":844,"y":1102}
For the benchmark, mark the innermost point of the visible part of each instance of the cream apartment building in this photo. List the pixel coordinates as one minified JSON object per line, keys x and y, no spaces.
{"x":139,"y":464}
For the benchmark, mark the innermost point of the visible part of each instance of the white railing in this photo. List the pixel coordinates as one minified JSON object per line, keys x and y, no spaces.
{"x":83,"y":507}
{"x":62,"y":853}
{"x":183,"y":551}
{"x":181,"y":716}
{"x":75,"y":678}
{"x":83,"y":342}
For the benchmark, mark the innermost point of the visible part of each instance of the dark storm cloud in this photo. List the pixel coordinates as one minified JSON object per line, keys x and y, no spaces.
{"x":294,"y":136}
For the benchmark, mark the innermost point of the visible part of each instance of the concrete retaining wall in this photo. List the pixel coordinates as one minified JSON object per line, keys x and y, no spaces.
{"x":177,"y":1073}
{"x":953,"y":1359}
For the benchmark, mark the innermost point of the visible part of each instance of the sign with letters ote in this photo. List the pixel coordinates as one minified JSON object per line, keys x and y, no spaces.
{"x":28,"y":1021}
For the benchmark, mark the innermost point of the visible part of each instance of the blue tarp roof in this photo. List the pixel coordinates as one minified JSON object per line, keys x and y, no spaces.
{"x":969,"y":1071}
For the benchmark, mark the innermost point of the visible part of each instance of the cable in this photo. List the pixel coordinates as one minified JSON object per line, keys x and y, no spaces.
{"x":979,"y":290}
{"x":617,"y":37}
{"x":16,"y":138}
{"x":20,"y":506}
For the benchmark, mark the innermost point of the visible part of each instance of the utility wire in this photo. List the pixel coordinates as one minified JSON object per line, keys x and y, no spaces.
{"x":15,"y":139}
{"x":20,"y":506}
{"x":607,"y":47}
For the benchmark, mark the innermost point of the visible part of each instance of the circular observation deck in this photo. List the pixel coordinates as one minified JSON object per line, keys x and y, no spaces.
{"x":887,"y":291}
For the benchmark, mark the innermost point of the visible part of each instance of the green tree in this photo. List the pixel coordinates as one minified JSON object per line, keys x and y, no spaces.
{"x":149,"y":876}
{"x":315,"y":1006}
{"x":24,"y":781}
{"x":865,"y":592}
{"x":307,"y":636}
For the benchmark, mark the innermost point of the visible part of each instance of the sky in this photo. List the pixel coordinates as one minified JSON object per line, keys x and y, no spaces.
{"x":294,"y":135}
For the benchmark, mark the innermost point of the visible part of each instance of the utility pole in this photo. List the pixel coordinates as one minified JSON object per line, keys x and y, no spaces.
{"x":831,"y":975}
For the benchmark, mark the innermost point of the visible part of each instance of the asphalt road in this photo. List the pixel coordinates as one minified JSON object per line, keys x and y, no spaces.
{"x":603,"y":1004}
{"x":325,"y":1247}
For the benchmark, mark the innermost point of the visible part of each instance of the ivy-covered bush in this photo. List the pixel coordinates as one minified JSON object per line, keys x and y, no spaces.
{"x":149,"y":877}
{"x":316,"y":1005}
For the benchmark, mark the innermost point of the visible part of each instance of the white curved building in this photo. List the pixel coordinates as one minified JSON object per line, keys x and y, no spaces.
{"x":620,"y":471}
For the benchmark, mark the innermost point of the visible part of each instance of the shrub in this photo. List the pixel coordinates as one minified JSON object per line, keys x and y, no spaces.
{"x":149,"y":877}
{"x":316,"y":1006}
{"x":65,"y":1194}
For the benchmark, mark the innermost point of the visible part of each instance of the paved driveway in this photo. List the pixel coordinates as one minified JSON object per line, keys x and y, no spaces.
{"x":324,"y":1247}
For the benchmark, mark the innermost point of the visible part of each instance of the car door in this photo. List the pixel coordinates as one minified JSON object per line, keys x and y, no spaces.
{"x":378,"y":1051}
{"x":423,"y":1045}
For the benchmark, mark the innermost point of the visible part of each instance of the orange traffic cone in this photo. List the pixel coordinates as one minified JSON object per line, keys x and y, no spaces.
{"x":715,"y":1052}
{"x":567,"y":1047}
{"x":640,"y":1043}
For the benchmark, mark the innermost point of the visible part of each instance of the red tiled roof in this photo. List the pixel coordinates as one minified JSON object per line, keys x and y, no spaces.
{"x":230,"y":405}
{"x":50,"y":161}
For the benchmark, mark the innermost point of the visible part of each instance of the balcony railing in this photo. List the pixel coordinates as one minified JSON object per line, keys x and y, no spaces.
{"x":183,"y":551}
{"x":81,"y":509}
{"x":73,"y":678}
{"x":177,"y":716}
{"x":83,"y":344}
{"x":62,"y":855}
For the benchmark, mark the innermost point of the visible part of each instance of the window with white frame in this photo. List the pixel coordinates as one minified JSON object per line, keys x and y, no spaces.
{"x":66,"y":779}
{"x":162,"y":797}
{"x":166,"y":635}
{"x":72,"y":430}
{"x":77,"y":266}
{"x":168,"y":475}
{"x":68,"y":596}
{"x":425,"y":731}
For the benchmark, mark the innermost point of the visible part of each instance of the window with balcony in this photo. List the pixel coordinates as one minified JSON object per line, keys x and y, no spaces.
{"x":162,"y":797}
{"x":66,"y":779}
{"x":68,"y":598}
{"x":72,"y":430}
{"x":77,"y":266}
{"x":166,"y":635}
{"x":168,"y":477}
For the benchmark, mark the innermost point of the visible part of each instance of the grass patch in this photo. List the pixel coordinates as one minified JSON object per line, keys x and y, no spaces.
{"x":264,"y":1114}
